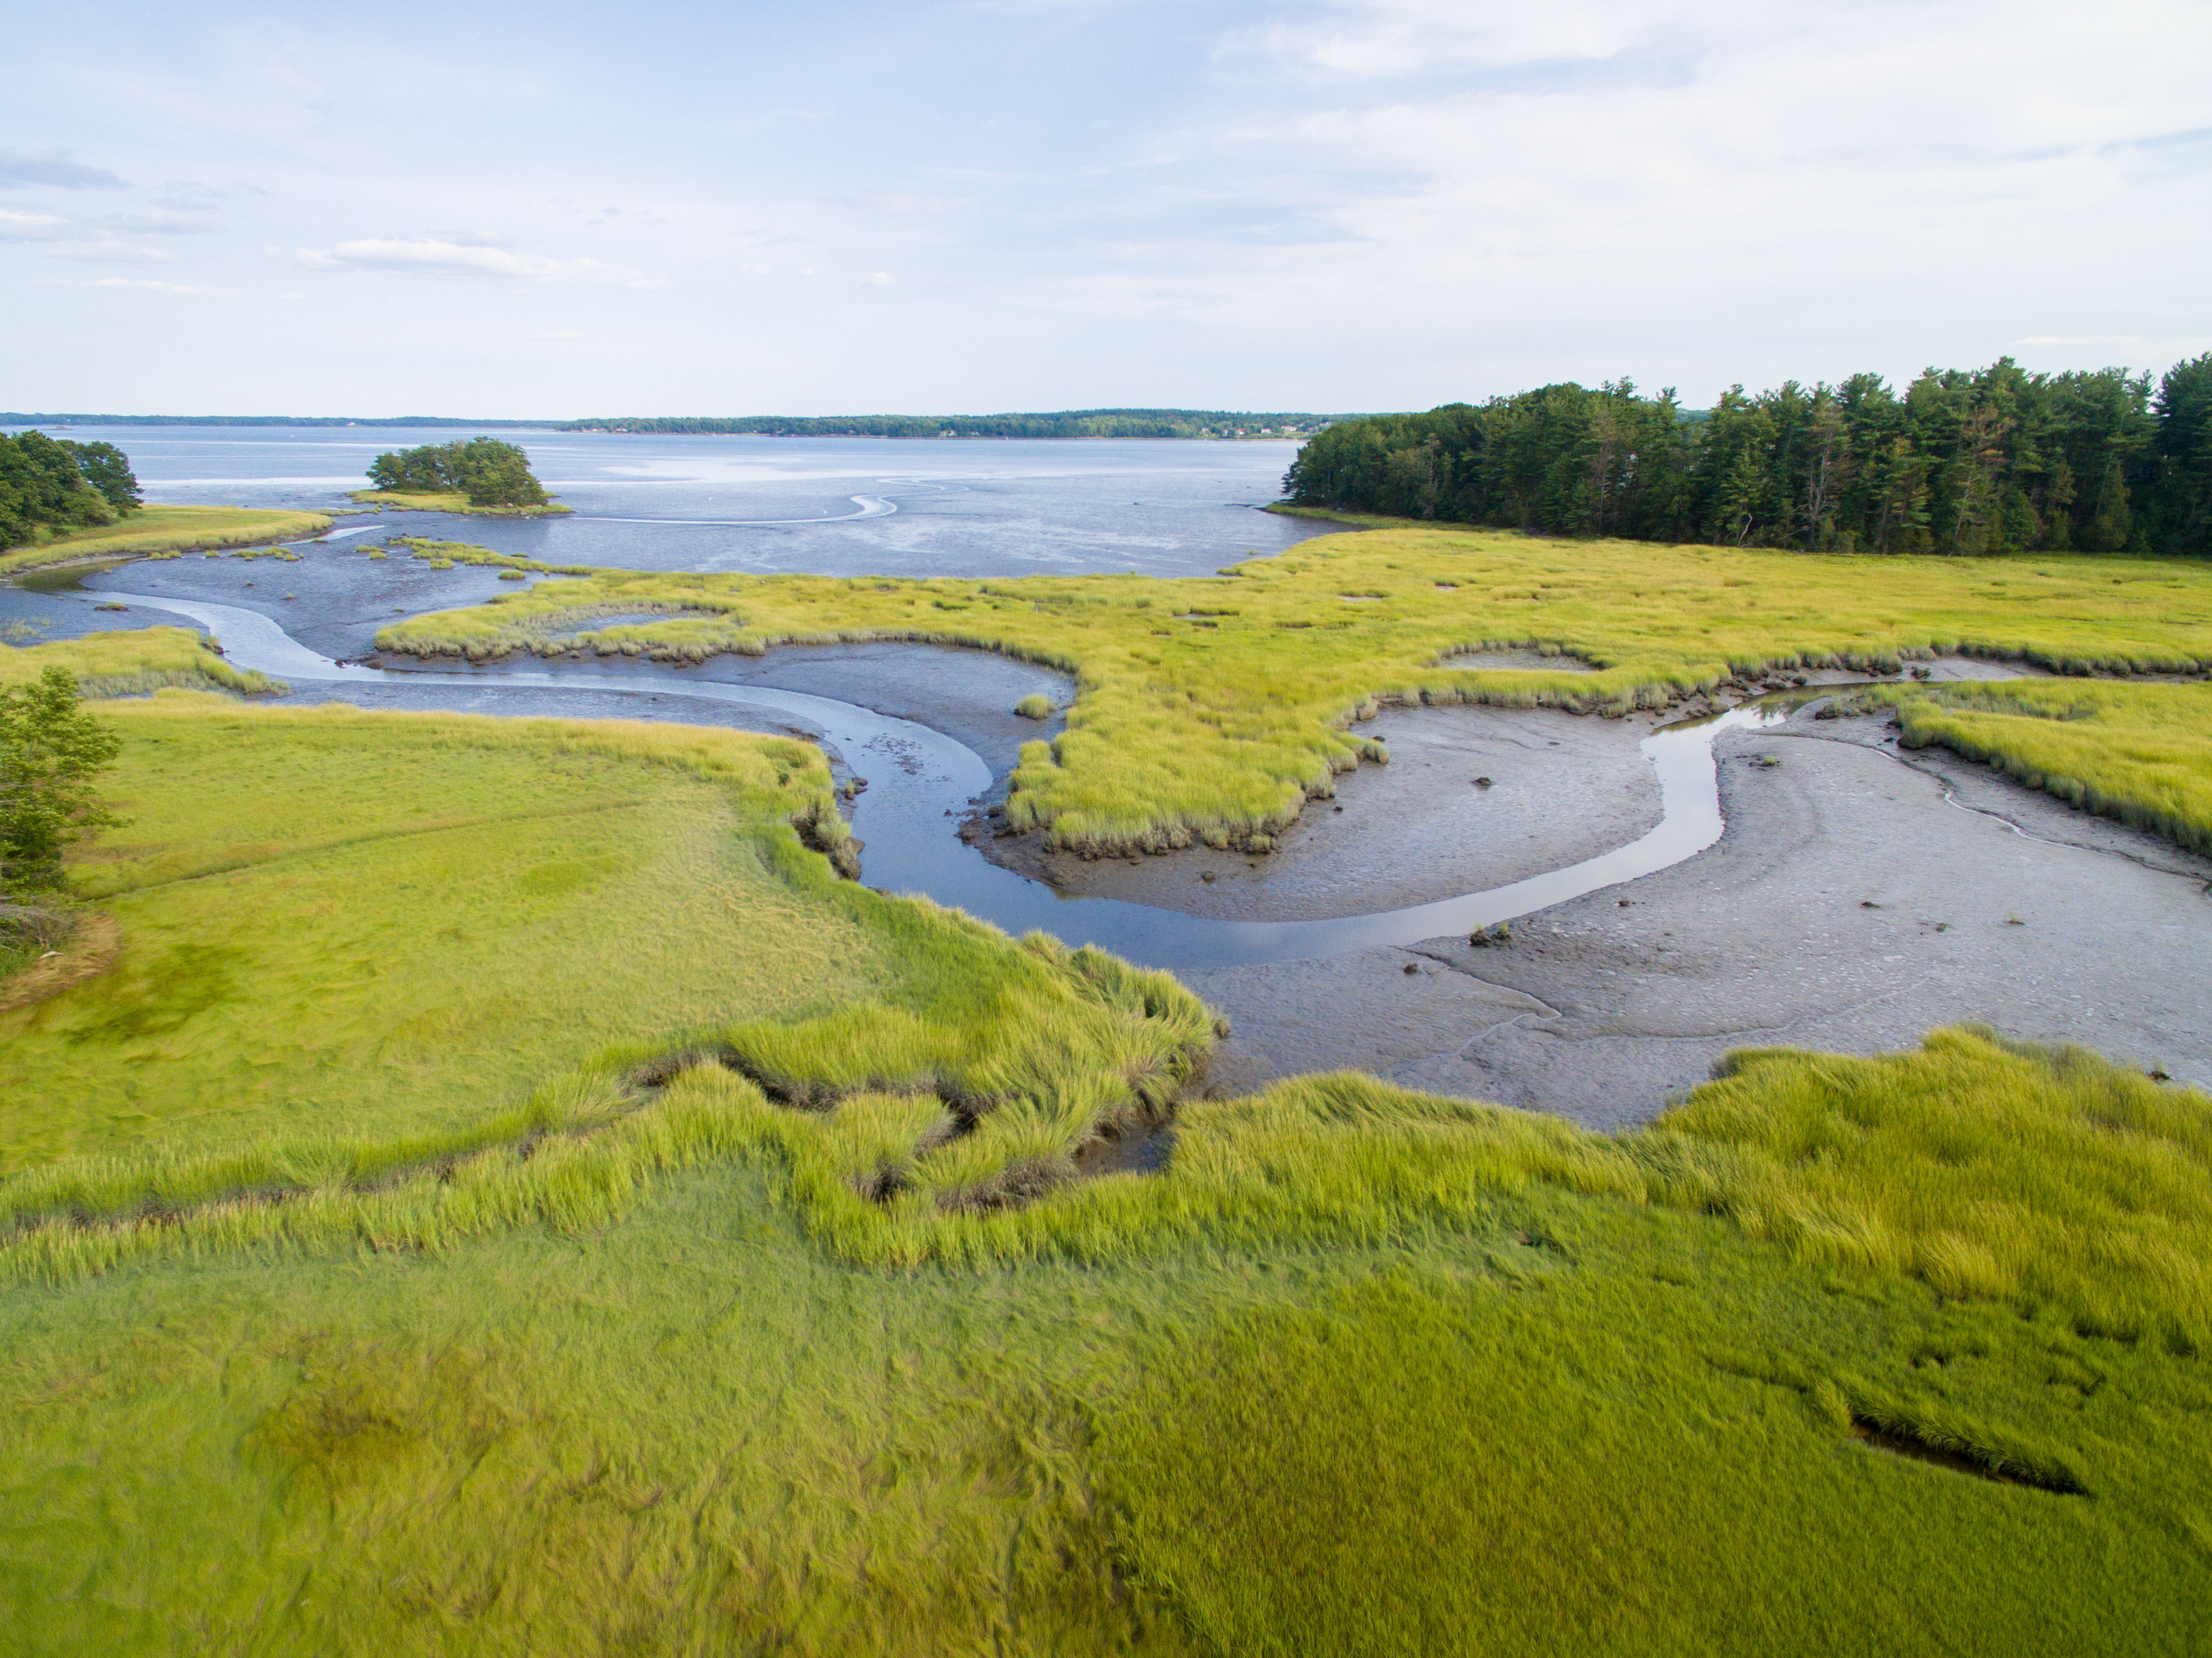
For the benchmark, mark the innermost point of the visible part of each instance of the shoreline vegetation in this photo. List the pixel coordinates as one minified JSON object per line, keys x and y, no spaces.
{"x":66,"y":502}
{"x":132,"y":662}
{"x":1096,"y":424}
{"x":452,"y":501}
{"x":1999,"y":459}
{"x":162,"y":532}
{"x":1214,"y":709}
{"x":668,"y":1141}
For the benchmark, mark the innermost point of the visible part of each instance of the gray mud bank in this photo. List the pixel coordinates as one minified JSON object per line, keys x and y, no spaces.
{"x":1857,"y":898}
{"x":1425,"y":826}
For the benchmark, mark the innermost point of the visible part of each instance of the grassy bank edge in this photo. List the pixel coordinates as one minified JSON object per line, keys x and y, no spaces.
{"x":134,"y":661}
{"x":155,"y":531}
{"x":2139,"y":755}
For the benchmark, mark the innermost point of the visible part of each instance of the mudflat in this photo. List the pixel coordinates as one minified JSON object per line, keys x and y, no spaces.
{"x":1424,"y":825}
{"x":1859,"y":897}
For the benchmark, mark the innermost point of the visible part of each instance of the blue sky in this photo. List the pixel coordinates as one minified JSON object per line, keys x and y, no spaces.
{"x":563,"y":209}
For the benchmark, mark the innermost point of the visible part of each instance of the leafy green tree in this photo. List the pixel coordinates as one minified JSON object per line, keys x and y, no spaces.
{"x":51,"y":751}
{"x":41,"y":486}
{"x":108,"y":469}
{"x":489,"y":472}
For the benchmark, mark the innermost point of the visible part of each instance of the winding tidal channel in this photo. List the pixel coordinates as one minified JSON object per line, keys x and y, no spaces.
{"x":923,"y":782}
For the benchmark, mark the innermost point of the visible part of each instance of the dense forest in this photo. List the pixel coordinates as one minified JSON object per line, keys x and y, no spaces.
{"x":1071,"y":423}
{"x":1996,"y":460}
{"x":53,"y":483}
{"x":489,"y":472}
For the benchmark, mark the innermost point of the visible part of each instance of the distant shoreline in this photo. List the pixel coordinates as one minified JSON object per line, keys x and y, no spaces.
{"x":1101,"y":425}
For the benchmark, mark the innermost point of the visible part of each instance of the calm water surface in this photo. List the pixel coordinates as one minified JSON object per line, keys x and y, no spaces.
{"x":838,"y":506}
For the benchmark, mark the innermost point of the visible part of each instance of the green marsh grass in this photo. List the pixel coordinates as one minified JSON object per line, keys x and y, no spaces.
{"x":1215,"y":708}
{"x":133,"y":660}
{"x":357,"y":942}
{"x":2141,"y":754}
{"x":551,"y":1212}
{"x":153,"y":531}
{"x":1387,"y":1374}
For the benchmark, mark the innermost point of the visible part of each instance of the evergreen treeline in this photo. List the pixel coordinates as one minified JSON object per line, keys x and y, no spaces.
{"x":1070,"y":422}
{"x":51,"y":482}
{"x":489,"y":472}
{"x":1996,"y":460}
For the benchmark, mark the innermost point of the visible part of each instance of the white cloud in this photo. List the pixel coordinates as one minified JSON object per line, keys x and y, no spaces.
{"x":879,"y":279}
{"x":57,"y":168}
{"x":32,"y":227}
{"x":1367,"y":40}
{"x":428,"y":256}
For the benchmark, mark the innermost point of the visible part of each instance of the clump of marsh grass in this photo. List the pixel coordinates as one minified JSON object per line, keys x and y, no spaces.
{"x":1989,"y":1169}
{"x":2141,"y":754}
{"x":131,"y":662}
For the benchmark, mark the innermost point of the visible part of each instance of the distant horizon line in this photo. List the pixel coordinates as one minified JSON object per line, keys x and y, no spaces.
{"x":1062,"y":423}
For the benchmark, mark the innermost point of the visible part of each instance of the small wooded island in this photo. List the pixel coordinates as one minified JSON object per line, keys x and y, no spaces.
{"x":482,"y":476}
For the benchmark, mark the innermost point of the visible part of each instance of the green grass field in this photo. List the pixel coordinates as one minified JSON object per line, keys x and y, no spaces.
{"x":510,"y":1197}
{"x":153,"y":531}
{"x":1214,"y":709}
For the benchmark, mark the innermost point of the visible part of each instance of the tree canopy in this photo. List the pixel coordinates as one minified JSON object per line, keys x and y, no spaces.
{"x":50,"y":751}
{"x":1998,"y":459}
{"x":53,"y":482}
{"x":490,"y":473}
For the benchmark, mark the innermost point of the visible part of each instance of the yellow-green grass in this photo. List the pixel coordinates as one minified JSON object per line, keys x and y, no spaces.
{"x":447,"y":501}
{"x":2139,"y":752}
{"x":1215,"y":708}
{"x":404,"y":1254}
{"x":155,"y":531}
{"x":128,"y":661}
{"x":356,"y":943}
{"x":1459,"y":1379}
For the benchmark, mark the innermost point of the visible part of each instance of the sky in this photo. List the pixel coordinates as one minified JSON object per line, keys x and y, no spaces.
{"x":1330,"y":205}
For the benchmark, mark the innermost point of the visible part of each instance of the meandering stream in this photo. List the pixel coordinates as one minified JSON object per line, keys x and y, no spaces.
{"x":922,"y":783}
